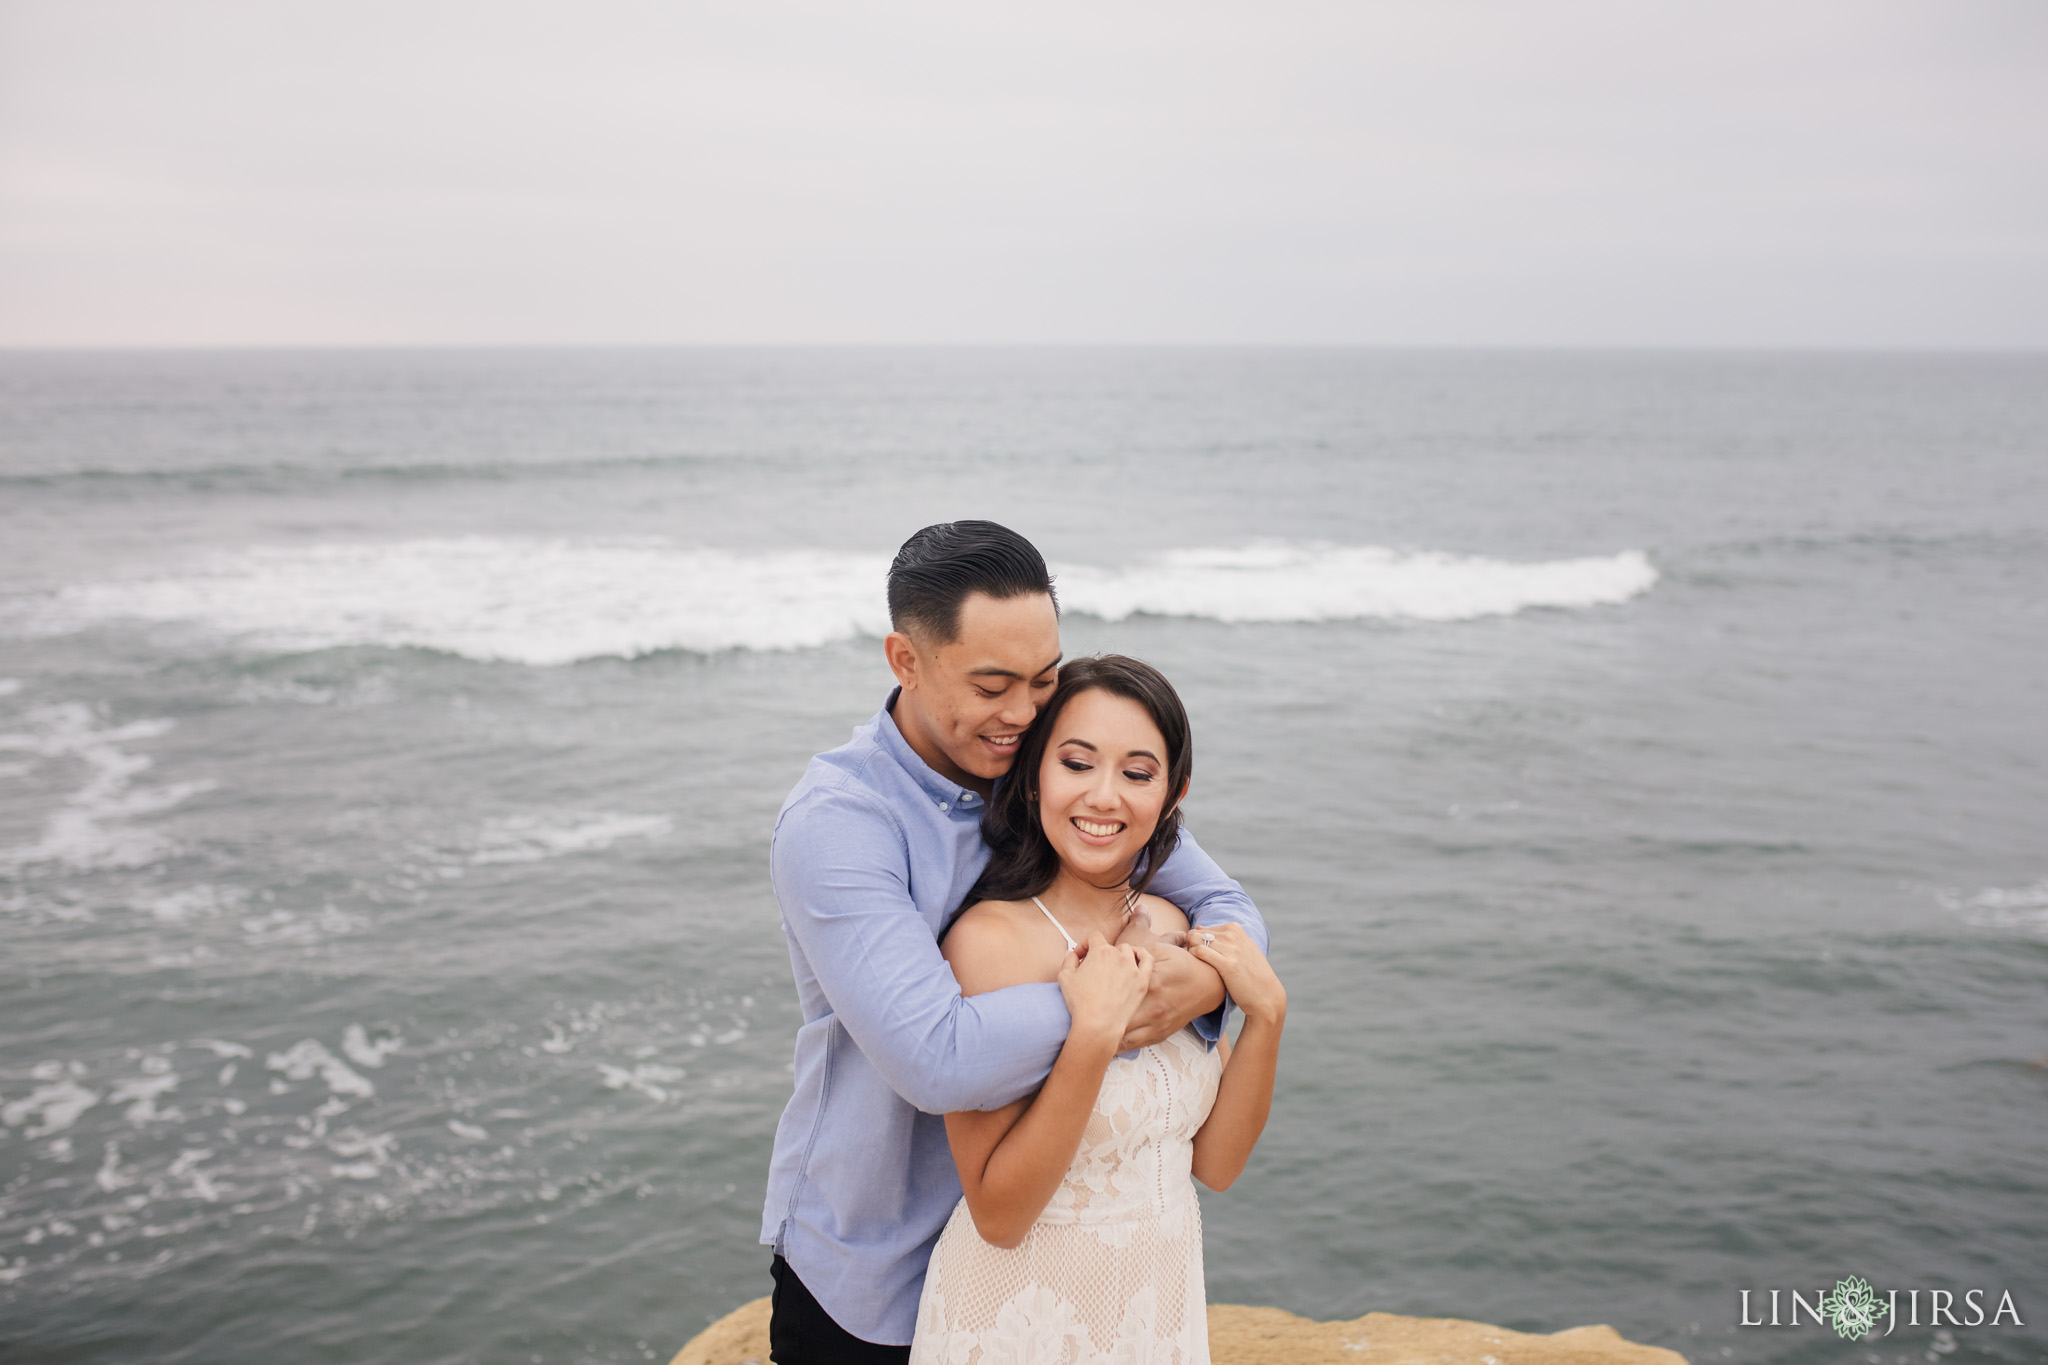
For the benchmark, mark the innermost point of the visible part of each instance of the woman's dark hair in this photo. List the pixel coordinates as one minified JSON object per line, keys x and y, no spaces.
{"x":942,"y":566}
{"x":1023,"y":862}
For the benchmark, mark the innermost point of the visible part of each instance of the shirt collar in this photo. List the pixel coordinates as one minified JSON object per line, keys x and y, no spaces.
{"x":946,"y":793}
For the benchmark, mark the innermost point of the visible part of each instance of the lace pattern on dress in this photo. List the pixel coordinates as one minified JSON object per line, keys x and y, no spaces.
{"x":1112,"y":1269}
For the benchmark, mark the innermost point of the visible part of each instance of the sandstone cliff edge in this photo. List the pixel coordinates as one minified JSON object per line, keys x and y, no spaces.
{"x":1269,"y":1336}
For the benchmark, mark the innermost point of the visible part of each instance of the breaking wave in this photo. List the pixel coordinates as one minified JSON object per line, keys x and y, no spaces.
{"x":554,"y":602}
{"x":1348,"y":583}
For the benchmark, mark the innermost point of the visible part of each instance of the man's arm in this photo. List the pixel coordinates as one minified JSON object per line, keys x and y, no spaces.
{"x":1184,"y":989}
{"x":1192,"y":881}
{"x":841,"y":877}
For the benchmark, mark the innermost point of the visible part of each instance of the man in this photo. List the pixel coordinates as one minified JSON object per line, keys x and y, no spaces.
{"x":873,"y":851}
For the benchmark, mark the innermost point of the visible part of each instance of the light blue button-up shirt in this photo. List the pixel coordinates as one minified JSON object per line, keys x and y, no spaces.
{"x":872,"y":852}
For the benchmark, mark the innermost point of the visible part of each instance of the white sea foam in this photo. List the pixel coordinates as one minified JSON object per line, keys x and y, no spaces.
{"x":58,"y":1105}
{"x":307,"y":1056}
{"x":553,"y":602}
{"x":176,"y":907}
{"x":140,"y":1094}
{"x":649,"y":1079}
{"x":110,"y":1176}
{"x":286,"y":926}
{"x":198,"y":1184}
{"x":1346,"y":583}
{"x":92,"y":828}
{"x":354,"y":1142}
{"x":356,"y":1044}
{"x":220,"y":1047}
{"x":526,"y":601}
{"x":529,"y":838}
{"x":1996,"y":907}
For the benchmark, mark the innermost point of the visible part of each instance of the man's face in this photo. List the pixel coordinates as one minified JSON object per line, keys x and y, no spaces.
{"x":966,"y":704}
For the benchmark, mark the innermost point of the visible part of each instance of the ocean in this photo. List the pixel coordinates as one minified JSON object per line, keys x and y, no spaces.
{"x":1641,"y":760}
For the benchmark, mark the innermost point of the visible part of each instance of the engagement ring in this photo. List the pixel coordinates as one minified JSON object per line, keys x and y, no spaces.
{"x":1208,"y":938}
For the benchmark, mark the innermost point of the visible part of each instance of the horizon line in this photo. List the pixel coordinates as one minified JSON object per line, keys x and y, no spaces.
{"x":1609,"y":348}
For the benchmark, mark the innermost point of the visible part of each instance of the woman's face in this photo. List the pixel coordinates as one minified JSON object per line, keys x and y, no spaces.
{"x":1102,"y":784}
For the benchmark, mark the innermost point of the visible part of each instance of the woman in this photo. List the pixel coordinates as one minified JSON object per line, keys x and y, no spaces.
{"x":1079,"y":1238}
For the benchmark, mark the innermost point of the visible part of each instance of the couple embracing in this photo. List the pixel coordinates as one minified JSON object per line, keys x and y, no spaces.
{"x":994,"y":916}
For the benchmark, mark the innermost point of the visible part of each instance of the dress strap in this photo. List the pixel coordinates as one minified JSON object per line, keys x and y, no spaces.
{"x":1055,"y":923}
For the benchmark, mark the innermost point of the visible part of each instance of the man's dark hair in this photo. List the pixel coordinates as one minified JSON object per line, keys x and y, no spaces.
{"x":941,"y":566}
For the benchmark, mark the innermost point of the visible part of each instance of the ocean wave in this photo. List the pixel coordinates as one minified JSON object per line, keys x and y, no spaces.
{"x":520,"y":601}
{"x":1348,"y":583}
{"x":554,"y":602}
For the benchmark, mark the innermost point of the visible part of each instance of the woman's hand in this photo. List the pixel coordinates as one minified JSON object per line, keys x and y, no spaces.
{"x":1246,"y":974}
{"x":1182,"y":988}
{"x":1104,"y":983}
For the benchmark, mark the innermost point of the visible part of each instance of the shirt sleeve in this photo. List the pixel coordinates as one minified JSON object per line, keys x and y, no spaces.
{"x":1191,"y":879}
{"x":841,"y":874}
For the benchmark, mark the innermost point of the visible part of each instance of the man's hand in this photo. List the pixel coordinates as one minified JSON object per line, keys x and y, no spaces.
{"x":1183,"y":987}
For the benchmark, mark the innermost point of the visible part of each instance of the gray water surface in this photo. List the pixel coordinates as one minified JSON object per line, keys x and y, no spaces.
{"x":376,"y":1001}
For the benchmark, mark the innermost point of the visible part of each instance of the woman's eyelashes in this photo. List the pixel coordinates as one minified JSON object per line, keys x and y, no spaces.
{"x":1082,"y":765}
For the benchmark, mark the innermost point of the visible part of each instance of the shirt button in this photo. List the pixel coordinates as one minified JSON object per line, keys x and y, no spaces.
{"x":943,"y":806}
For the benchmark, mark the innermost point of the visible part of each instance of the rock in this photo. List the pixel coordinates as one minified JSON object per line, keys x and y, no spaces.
{"x":1270,"y":1336}
{"x":738,"y":1338}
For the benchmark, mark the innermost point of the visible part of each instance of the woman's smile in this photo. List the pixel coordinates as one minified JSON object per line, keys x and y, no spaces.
{"x":1102,"y":784}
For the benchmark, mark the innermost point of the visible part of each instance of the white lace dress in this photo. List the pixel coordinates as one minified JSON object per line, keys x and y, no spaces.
{"x":1112,"y":1270}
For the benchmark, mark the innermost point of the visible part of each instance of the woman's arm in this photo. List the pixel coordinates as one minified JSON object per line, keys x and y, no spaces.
{"x":1012,"y":1159}
{"x":1245,"y":1096}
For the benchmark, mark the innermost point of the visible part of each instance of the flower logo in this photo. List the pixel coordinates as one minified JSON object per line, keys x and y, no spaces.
{"x":1852,"y":1308}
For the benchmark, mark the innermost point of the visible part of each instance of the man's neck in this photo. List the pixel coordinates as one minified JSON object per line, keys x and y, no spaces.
{"x":910,"y":724}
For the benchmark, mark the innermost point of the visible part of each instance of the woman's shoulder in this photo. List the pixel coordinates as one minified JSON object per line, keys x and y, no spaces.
{"x":989,"y":917}
{"x":989,"y":946}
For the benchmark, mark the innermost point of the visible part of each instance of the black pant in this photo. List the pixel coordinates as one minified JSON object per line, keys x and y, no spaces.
{"x":800,"y":1332}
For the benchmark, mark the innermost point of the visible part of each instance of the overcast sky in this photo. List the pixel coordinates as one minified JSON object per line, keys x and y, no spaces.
{"x":1577,"y":172}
